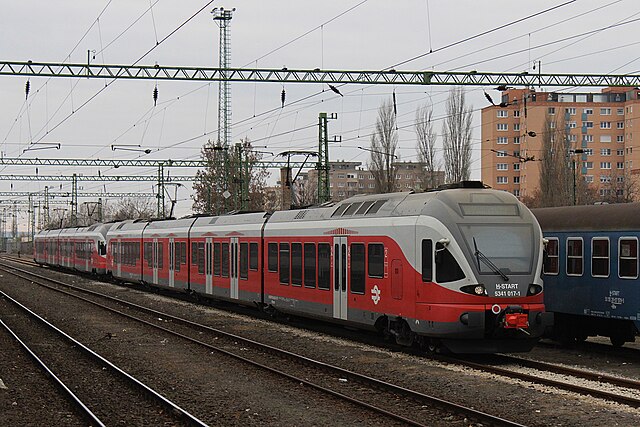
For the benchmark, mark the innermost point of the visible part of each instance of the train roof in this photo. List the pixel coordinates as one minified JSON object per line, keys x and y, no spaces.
{"x":458,"y":199}
{"x":622,"y":216}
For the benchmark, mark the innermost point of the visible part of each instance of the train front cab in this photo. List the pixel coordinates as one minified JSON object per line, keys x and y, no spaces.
{"x":479,"y":288}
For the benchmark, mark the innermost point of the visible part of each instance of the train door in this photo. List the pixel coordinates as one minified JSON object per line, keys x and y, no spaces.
{"x":208,"y":256}
{"x":340,"y":278}
{"x":172,"y":261}
{"x":233,"y":287}
{"x":155,"y":261}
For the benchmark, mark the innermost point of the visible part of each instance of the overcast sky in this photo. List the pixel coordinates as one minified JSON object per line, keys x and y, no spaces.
{"x":374,"y":35}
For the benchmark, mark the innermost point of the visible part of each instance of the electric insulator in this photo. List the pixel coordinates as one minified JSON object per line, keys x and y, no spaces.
{"x":26,"y":89}
{"x":155,"y":96}
{"x":283,"y":96}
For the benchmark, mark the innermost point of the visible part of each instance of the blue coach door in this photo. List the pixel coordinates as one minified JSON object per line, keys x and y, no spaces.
{"x":340,"y":278}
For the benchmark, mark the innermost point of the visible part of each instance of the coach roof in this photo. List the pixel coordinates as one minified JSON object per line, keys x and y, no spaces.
{"x":623,"y":216}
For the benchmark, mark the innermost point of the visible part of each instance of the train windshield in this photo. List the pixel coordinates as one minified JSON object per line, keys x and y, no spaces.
{"x":509,"y":247}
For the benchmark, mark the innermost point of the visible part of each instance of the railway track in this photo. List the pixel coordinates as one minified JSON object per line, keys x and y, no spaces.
{"x":69,"y":364}
{"x":392,"y":401}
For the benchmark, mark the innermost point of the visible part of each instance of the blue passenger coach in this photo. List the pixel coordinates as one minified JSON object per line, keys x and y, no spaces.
{"x":591,"y":271}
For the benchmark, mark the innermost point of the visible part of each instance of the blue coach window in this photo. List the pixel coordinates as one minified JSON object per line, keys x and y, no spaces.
{"x":628,"y":258}
{"x":600,"y":257}
{"x":551,"y":260}
{"x":574,"y":257}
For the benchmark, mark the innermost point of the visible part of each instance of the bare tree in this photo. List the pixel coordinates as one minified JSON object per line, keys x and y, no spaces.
{"x":131,"y":208}
{"x":384,"y":143}
{"x":305,"y":192}
{"x":456,"y":135}
{"x":426,"y":146}
{"x":218,"y":188}
{"x":556,"y":176}
{"x":622,"y":187}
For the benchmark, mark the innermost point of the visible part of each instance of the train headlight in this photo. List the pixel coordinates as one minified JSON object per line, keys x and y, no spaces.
{"x":478,"y":289}
{"x":534,"y":290}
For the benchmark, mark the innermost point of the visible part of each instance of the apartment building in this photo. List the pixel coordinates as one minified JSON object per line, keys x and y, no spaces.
{"x":599,"y":124}
{"x":346,"y":179}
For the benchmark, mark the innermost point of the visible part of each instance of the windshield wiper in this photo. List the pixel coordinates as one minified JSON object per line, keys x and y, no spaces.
{"x":486,"y":261}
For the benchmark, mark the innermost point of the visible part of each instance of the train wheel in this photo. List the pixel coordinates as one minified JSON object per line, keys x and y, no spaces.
{"x":617,"y":340}
{"x":581,"y":337}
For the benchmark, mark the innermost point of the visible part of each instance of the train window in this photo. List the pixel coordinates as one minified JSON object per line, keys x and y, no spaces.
{"x":148,"y":253}
{"x":340,"y":209}
{"x":244,"y":260}
{"x":376,"y":260}
{"x":176,"y":256}
{"x":284,"y":263}
{"x":296,"y":264}
{"x":574,"y":257}
{"x":357,"y":277}
{"x":600,"y":257}
{"x":194,"y":253}
{"x":363,"y":208}
{"x":253,"y":256}
{"x":352,"y":208}
{"x":324,"y":266}
{"x":217,"y":261}
{"x":272,"y":250}
{"x":447,"y":268}
{"x":225,"y":260}
{"x":183,"y":252}
{"x":427,"y":260}
{"x":551,"y":260}
{"x":628,"y":258}
{"x":160,"y":255}
{"x":310,"y":265}
{"x":376,"y":207}
{"x":200,"y":257}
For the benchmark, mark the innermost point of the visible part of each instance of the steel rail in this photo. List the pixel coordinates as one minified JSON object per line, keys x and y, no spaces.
{"x":86,"y":412}
{"x":417,"y":396}
{"x":182,"y":413}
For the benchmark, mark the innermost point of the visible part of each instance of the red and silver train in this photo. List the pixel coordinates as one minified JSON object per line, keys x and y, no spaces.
{"x":458,"y":267}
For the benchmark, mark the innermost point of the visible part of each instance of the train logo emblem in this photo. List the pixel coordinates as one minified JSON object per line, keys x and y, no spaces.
{"x":375,"y":294}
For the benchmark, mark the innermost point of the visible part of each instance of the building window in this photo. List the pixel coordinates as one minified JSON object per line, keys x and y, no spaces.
{"x":502,"y":180}
{"x":620,"y":111}
{"x":605,"y":138}
{"x":503,"y":140}
{"x":620,"y":125}
{"x":501,"y":153}
{"x":574,"y":257}
{"x":341,"y":176}
{"x":502,"y":166}
{"x":600,"y":257}
{"x":605,"y":111}
{"x":588,"y":151}
{"x":605,"y":151}
{"x":516,"y":180}
{"x":516,"y":113}
{"x":605,"y":179}
{"x":516,"y":166}
{"x":570,"y":111}
{"x":620,"y":138}
{"x":516,"y":126}
{"x":587,"y":125}
{"x":571,"y":125}
{"x":516,"y":140}
{"x":516,"y":193}
{"x":588,"y":165}
{"x":605,"y":125}
{"x":588,"y":178}
{"x":620,"y":152}
{"x":551,"y":110}
{"x":503,"y":113}
{"x":502,"y":126}
{"x":551,"y":264}
{"x":552,"y":125}
{"x":573,"y":138}
{"x":587,"y":138}
{"x":620,"y":165}
{"x":628,"y":258}
{"x":588,"y":111}
{"x":605,"y":165}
